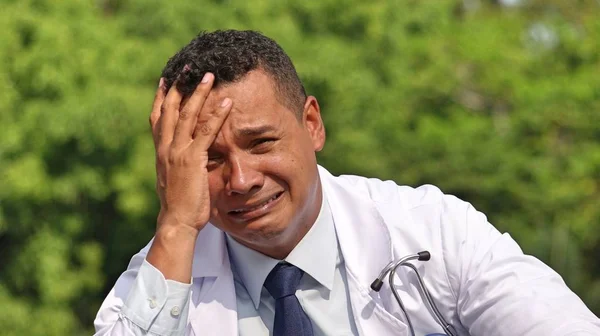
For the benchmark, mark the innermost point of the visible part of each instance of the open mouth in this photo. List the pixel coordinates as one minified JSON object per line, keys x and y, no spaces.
{"x":258,"y":209}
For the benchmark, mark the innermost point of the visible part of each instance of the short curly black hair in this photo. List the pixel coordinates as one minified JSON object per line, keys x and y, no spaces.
{"x":230,"y":55}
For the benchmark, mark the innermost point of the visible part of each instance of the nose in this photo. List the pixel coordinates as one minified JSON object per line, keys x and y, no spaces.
{"x":242,"y":177}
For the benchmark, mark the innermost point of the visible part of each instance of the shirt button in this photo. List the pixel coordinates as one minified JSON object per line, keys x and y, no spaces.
{"x":175,"y":311}
{"x":152,"y":303}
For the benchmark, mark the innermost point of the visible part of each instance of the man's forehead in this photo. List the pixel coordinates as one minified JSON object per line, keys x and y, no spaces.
{"x":215,"y":97}
{"x":247,"y":121}
{"x":255,"y":87}
{"x":243,"y":124}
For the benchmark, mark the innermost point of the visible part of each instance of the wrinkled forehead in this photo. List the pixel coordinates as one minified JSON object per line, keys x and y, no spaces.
{"x":254,"y":102}
{"x":252,"y":90}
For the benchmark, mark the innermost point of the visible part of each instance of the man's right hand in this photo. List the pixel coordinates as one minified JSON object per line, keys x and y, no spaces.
{"x":182,"y":136}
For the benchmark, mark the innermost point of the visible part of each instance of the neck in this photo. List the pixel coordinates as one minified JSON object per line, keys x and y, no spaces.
{"x":282,"y":250}
{"x":281,"y":245}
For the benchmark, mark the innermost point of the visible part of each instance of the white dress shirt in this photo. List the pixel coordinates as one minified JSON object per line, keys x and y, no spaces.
{"x":322,"y":291}
{"x":155,"y":305}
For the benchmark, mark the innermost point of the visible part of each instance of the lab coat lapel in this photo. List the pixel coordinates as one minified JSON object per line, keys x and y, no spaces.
{"x":212,"y":301}
{"x":366,"y":246}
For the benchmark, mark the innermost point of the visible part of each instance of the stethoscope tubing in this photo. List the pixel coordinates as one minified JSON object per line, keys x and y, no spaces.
{"x":448,"y":329}
{"x":390,"y":269}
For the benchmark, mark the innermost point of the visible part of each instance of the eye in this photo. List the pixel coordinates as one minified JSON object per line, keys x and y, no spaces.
{"x":214,"y":162}
{"x":214,"y":158}
{"x":262,"y":145}
{"x":262,"y":141}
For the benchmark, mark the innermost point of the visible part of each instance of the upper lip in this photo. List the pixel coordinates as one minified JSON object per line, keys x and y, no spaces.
{"x":254,"y":204}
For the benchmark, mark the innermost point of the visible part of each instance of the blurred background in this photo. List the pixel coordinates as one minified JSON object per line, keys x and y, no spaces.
{"x":497,"y":102}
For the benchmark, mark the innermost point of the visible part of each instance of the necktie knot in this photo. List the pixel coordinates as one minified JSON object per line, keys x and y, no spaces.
{"x":283,"y":280}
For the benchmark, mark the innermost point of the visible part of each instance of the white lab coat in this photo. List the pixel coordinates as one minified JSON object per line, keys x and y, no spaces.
{"x":480,"y":280}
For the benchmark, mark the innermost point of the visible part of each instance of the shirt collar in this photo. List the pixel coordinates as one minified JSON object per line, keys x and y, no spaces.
{"x":253,"y":267}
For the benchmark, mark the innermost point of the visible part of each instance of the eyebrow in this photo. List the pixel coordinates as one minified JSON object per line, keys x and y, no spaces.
{"x":253,"y":131}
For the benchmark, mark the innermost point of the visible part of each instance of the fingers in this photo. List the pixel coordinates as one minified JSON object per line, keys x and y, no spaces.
{"x":159,"y":97}
{"x":209,"y":125}
{"x":169,"y":114}
{"x":188,"y":115}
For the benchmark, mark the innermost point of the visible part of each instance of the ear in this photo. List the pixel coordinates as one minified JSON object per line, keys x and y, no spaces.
{"x":311,"y":119}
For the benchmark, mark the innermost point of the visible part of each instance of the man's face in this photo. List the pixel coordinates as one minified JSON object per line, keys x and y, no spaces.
{"x":262,"y":170}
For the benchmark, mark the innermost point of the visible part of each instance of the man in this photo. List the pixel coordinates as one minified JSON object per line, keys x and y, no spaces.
{"x":254,"y":238}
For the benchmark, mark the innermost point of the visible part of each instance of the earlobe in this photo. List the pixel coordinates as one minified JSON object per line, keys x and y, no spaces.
{"x":313,"y":122}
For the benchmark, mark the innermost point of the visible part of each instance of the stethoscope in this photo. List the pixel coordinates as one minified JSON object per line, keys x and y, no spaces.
{"x":391,"y":269}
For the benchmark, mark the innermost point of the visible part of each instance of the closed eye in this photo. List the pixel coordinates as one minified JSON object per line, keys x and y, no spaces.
{"x":262,"y":145}
{"x":261,"y":141}
{"x":215,"y":158}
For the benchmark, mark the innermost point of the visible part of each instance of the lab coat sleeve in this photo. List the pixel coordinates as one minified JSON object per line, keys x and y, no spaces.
{"x":500,"y":291}
{"x":142,"y":302}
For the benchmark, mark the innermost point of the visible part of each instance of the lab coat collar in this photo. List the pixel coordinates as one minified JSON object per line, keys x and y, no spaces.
{"x":358,"y":223}
{"x":366,"y":246}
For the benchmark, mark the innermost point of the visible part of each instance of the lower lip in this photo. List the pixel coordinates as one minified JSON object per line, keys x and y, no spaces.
{"x":258,"y":212}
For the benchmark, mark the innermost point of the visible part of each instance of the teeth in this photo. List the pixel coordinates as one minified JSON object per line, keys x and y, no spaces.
{"x":258,"y":206}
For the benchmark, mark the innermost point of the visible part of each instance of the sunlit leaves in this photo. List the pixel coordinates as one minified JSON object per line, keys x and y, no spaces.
{"x":468,"y":95}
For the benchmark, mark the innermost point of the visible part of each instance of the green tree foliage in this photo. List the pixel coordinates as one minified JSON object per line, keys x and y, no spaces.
{"x":497,"y":104}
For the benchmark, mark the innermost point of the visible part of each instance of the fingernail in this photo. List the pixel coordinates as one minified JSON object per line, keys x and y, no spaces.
{"x":225,"y":102}
{"x":161,"y":82}
{"x":206,"y":78}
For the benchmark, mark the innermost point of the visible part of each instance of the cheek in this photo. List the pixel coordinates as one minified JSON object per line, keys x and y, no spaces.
{"x":293,"y":168}
{"x":215,"y":185}
{"x":283,"y":163}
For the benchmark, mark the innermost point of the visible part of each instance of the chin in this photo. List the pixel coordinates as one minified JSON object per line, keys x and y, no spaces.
{"x":265,"y":232}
